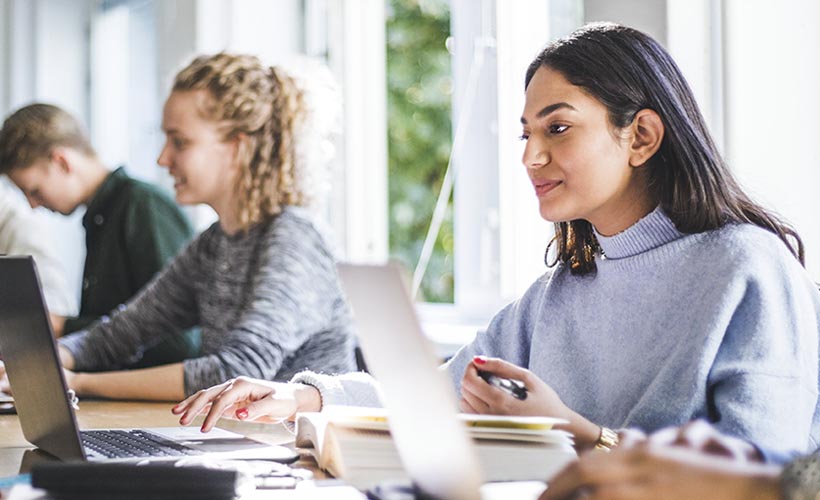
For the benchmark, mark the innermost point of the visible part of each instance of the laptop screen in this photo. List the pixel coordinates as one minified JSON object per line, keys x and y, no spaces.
{"x":433,"y":445}
{"x":32,"y":365}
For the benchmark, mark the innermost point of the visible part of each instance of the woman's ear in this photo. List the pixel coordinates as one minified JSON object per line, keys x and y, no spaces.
{"x":647,"y":135}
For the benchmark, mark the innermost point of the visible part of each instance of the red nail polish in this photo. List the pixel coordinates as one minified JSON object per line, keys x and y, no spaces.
{"x":479,"y":359}
{"x":242,"y":413}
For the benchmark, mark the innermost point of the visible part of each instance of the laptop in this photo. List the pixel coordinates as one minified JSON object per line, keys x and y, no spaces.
{"x":434,"y":447}
{"x":46,"y":407}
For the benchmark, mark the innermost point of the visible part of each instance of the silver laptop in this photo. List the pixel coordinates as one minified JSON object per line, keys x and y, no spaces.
{"x":45,"y":406}
{"x":434,"y":447}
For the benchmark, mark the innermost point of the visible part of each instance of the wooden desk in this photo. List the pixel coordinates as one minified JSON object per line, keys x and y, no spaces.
{"x":16,"y":454}
{"x":125,"y":414}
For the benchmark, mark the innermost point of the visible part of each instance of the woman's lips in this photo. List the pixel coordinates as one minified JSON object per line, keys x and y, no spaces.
{"x":544,"y":187}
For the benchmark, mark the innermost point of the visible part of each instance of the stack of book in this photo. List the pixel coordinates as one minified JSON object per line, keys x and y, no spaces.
{"x":354,"y":444}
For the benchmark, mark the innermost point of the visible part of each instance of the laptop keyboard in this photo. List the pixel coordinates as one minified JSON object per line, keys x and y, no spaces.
{"x":132,"y":443}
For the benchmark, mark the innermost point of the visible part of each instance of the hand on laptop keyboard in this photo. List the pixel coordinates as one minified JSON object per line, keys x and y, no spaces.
{"x":245,"y":398}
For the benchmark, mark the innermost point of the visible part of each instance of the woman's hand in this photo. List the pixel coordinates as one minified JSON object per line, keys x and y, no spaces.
{"x":477,"y":396}
{"x":71,"y":380}
{"x":4,"y":379}
{"x":697,"y":435}
{"x":244,"y":398}
{"x":650,"y":471}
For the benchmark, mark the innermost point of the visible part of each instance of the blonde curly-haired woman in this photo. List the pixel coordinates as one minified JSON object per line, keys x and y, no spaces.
{"x":261,"y":281}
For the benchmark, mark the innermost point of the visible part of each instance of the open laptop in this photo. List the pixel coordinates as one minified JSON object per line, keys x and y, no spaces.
{"x":45,"y":406}
{"x":434,"y":447}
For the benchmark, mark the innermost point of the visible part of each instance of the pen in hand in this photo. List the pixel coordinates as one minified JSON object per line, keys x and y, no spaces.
{"x":514,"y":388}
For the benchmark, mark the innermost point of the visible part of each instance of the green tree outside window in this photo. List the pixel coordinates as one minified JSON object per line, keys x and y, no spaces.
{"x":419,"y":90}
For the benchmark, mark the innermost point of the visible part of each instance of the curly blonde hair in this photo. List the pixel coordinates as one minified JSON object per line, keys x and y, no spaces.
{"x":267,"y":107}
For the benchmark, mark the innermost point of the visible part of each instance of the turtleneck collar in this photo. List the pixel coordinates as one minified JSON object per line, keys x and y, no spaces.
{"x":653,"y":230}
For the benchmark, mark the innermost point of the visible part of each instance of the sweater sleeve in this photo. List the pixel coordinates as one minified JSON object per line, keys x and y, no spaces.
{"x":767,"y":363}
{"x":166,"y":306}
{"x":294,"y":295}
{"x":508,"y":335}
{"x":350,"y":389}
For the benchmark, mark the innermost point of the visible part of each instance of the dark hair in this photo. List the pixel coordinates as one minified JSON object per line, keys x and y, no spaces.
{"x":627,"y":71}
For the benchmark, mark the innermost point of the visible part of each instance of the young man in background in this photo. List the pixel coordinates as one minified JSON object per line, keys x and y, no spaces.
{"x":132,"y":228}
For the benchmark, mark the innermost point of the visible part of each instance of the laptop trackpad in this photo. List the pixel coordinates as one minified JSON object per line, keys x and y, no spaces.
{"x":226,"y":444}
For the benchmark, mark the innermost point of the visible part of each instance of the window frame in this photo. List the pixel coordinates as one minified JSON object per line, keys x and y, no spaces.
{"x":494,"y":261}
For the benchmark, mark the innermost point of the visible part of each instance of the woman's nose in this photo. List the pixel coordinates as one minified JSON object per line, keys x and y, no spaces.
{"x":535,"y":155}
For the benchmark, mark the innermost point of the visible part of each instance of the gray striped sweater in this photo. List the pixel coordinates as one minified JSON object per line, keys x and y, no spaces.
{"x":268,"y":302}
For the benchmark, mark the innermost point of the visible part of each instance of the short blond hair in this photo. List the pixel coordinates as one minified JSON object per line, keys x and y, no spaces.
{"x":265,"y":105}
{"x":32,"y":132}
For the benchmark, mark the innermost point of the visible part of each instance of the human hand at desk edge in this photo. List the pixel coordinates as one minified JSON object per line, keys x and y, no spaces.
{"x":244,"y":398}
{"x":697,"y":435}
{"x":650,"y":470}
{"x":5,"y":386}
{"x":4,"y":379}
{"x":477,"y":396}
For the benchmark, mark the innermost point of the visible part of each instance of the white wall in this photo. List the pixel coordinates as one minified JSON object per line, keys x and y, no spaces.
{"x":694,"y":34}
{"x":772,"y":108}
{"x":46,"y":57}
{"x":646,"y":15}
{"x":5,"y":50}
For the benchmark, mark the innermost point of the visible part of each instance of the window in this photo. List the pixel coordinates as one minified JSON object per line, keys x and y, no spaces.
{"x":419,"y":94}
{"x":496,"y":245}
{"x":467,"y":95}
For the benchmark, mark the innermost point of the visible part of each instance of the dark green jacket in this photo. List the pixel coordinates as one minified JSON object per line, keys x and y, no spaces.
{"x":132,"y":230}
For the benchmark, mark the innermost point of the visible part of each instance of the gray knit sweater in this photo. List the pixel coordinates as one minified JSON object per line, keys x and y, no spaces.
{"x":268,"y":302}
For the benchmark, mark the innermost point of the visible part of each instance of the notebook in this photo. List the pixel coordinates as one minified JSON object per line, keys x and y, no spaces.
{"x":45,"y":405}
{"x":433,"y":444}
{"x":355,"y":445}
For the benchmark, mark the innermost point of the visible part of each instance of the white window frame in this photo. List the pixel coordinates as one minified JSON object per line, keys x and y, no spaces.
{"x":356,"y":54}
{"x":494,"y":262}
{"x":45,"y":52}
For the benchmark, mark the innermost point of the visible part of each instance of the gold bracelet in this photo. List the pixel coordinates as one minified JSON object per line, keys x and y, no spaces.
{"x":607,"y":440}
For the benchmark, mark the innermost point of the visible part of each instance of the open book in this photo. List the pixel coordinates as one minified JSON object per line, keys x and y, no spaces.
{"x":354,"y":444}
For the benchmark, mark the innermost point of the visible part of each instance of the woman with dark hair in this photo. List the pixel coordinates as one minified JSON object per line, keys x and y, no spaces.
{"x":672,"y":296}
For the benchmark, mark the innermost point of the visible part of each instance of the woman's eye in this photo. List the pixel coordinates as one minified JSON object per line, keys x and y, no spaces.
{"x":523,"y":137}
{"x":178,"y":143}
{"x":558,"y":129}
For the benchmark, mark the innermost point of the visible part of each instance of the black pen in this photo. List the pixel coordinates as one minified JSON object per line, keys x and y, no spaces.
{"x":514,"y":388}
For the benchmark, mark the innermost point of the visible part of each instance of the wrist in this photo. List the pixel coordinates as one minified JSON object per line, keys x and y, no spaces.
{"x":75,"y":382}
{"x":607,"y":440}
{"x":585,"y":433}
{"x":57,"y":325}
{"x":308,"y":398}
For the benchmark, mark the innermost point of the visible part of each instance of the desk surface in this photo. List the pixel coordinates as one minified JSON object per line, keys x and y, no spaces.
{"x":16,"y":453}
{"x":125,"y":414}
